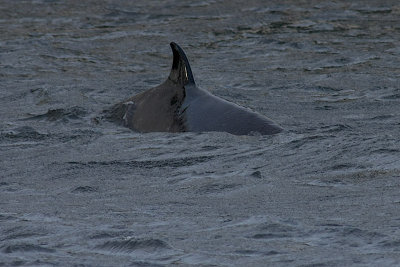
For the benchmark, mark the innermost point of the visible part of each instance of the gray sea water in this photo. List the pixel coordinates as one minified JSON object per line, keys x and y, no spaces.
{"x":77,"y":190}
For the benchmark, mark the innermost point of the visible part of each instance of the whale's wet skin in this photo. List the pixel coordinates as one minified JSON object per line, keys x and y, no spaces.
{"x":78,"y":189}
{"x":178,"y":105}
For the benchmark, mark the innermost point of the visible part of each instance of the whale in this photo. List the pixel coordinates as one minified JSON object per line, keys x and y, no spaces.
{"x":178,"y":105}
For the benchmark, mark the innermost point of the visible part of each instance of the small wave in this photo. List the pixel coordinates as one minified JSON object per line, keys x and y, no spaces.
{"x":216,"y":188}
{"x":20,"y":232}
{"x":270,"y":236}
{"x":325,"y":107}
{"x":102,"y":235}
{"x":381,"y":117}
{"x":248,"y":252}
{"x":392,"y":97}
{"x":73,"y":113}
{"x":297,"y":143}
{"x":337,"y":99}
{"x":395,"y":245}
{"x":24,"y":132}
{"x":6,"y":217}
{"x":146,"y":264}
{"x":84,"y":189}
{"x":257,"y":174}
{"x":349,"y":236}
{"x":26,"y":248}
{"x":131,"y":245}
{"x":148,"y":164}
{"x":19,"y":235}
{"x":374,"y":10}
{"x":386,"y":151}
{"x":342,"y":166}
{"x":335,"y":128}
{"x":274,"y":231}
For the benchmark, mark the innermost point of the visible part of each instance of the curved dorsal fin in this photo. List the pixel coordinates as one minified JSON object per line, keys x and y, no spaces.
{"x":181,"y":73}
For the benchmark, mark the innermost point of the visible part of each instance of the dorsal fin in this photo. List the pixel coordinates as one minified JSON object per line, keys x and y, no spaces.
{"x":181,"y":73}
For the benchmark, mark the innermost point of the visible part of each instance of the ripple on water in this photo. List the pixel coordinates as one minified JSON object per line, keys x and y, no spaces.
{"x":23,"y":132}
{"x":275,"y":230}
{"x":347,"y":236}
{"x":61,"y":114}
{"x":177,"y":162}
{"x":26,"y":247}
{"x":132,"y":245}
{"x":84,"y":189}
{"x":217,"y":188}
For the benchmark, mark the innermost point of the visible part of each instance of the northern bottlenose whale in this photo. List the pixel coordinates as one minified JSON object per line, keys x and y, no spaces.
{"x":178,"y":105}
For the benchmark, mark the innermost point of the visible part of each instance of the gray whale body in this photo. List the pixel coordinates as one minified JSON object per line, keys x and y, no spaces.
{"x":178,"y":105}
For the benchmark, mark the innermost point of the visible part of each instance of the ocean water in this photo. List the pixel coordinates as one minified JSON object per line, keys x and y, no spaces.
{"x":76,"y":189}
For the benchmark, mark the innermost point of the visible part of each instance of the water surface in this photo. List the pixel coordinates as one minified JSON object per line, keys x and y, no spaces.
{"x":76,"y":189}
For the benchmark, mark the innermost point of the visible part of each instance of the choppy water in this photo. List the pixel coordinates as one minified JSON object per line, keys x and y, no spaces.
{"x":75,"y":189}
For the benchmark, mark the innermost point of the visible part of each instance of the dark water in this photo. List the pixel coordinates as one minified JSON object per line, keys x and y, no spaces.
{"x":75,"y":189}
